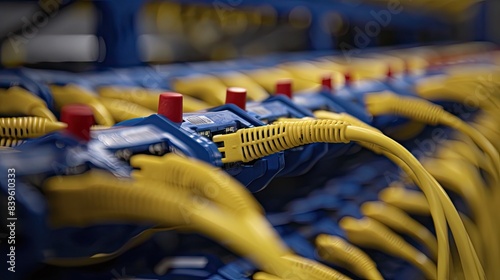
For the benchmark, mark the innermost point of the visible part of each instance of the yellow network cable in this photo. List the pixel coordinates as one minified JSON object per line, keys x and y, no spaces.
{"x":399,"y":221}
{"x":465,"y":181}
{"x":148,"y":98}
{"x":91,"y":198}
{"x":339,"y":252}
{"x":28,"y":127}
{"x":205,"y":87}
{"x":87,"y":199}
{"x":467,"y":150}
{"x":413,"y":202}
{"x":369,"y":233}
{"x":268,"y":77}
{"x":249,"y":144}
{"x":255,"y":92}
{"x":71,"y":94}
{"x":265,"y":276}
{"x":210,"y":182}
{"x":122,"y":110}
{"x":18,"y":101}
{"x":418,"y":109}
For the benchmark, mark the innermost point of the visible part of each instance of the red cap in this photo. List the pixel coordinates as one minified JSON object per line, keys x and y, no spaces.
{"x":79,"y":119}
{"x":236,"y":96}
{"x":389,"y":73}
{"x":326,"y":82}
{"x":348,"y":78}
{"x":170,"y":106}
{"x":284,"y":86}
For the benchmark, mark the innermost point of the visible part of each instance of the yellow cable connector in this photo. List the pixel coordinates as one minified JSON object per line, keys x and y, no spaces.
{"x":369,"y":233}
{"x":303,"y":268}
{"x":73,"y":94}
{"x":339,"y":252}
{"x":10,"y":142}
{"x":413,"y":202}
{"x":250,"y":144}
{"x":18,"y":101}
{"x":401,"y":222}
{"x":28,"y":127}
{"x":265,"y":276}
{"x":122,"y":110}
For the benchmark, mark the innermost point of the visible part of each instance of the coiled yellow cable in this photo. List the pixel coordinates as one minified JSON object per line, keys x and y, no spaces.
{"x":18,"y":101}
{"x":28,"y":127}
{"x":367,"y":232}
{"x":337,"y":251}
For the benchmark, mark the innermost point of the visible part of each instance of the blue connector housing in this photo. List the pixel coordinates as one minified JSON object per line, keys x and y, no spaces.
{"x":298,"y":160}
{"x":229,"y":118}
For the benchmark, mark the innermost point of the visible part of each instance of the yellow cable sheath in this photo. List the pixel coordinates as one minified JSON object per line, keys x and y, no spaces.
{"x":398,"y":220}
{"x":255,"y":92}
{"x":28,"y":127}
{"x":466,"y":182}
{"x":425,"y":111}
{"x":91,"y":198}
{"x":210,"y":182}
{"x":122,"y":110}
{"x":367,"y":232}
{"x":306,"y":269}
{"x":469,"y":259}
{"x":339,"y":252}
{"x":205,"y":87}
{"x":413,"y":202}
{"x":265,"y":276}
{"x":18,"y":101}
{"x":74,"y":94}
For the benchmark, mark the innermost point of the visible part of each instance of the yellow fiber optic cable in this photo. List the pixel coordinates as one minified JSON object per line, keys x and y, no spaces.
{"x":367,"y":232}
{"x":73,"y":94}
{"x":149,"y":98}
{"x":18,"y":101}
{"x":269,"y":139}
{"x":122,"y":110}
{"x":399,"y":221}
{"x":413,"y":202}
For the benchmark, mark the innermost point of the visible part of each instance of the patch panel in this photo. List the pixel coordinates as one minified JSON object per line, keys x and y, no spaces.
{"x":319,"y":197}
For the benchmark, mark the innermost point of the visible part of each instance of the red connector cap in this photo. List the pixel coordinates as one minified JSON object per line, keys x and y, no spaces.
{"x":326,"y":82}
{"x":389,"y":74}
{"x":348,"y":79}
{"x":236,"y":96}
{"x":170,"y":106}
{"x":284,"y":86}
{"x":79,"y":119}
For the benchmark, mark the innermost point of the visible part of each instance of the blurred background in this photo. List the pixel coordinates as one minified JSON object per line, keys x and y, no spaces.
{"x":81,"y":35}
